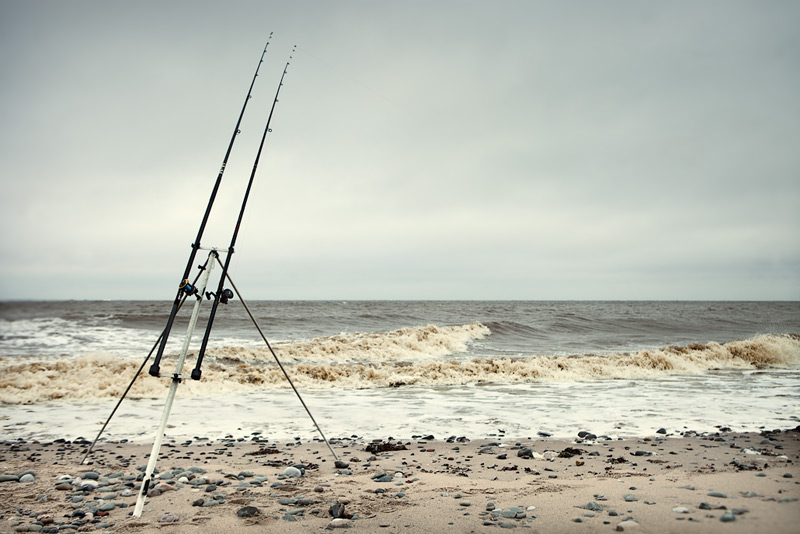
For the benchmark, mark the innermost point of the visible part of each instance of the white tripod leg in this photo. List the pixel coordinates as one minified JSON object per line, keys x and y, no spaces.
{"x":151,"y":464}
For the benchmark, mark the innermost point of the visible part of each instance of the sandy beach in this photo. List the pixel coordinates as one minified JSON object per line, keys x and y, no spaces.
{"x":678,"y":482}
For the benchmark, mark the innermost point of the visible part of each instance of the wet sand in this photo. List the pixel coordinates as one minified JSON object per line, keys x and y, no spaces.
{"x":720,"y":482}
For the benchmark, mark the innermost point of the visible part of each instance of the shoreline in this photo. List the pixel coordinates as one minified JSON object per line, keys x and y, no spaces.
{"x":713,"y":482}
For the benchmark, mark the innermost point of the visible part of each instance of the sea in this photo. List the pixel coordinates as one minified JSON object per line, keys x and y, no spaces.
{"x":379,"y":369}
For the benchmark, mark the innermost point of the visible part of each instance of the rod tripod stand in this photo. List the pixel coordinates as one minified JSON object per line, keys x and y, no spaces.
{"x":199,"y":289}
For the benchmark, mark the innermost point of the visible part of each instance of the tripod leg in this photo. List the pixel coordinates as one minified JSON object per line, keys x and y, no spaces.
{"x":247,"y":309}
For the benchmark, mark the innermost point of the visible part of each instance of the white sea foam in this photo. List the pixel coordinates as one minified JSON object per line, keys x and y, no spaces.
{"x":405,"y":344}
{"x":421,"y":356}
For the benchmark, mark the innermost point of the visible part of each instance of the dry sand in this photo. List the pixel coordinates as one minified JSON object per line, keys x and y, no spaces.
{"x":676,"y":483}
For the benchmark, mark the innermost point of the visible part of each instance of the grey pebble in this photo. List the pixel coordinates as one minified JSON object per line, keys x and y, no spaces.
{"x":169,"y":518}
{"x":728,"y":516}
{"x":248,"y":511}
{"x":292,"y":472}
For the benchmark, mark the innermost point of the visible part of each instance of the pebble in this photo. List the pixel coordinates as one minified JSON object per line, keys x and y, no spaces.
{"x":512,"y":512}
{"x":630,"y":497}
{"x":717,"y":494}
{"x":593,"y":506}
{"x":248,"y":511}
{"x":292,"y":472}
{"x":340,"y":523}
{"x":28,"y":477}
{"x":337,"y":511}
{"x":728,"y":516}
{"x":629,"y":524}
{"x":169,"y":518}
{"x":680,"y":510}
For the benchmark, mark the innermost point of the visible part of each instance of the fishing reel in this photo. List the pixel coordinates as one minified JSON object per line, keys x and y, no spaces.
{"x":188,"y":288}
{"x":224,"y":296}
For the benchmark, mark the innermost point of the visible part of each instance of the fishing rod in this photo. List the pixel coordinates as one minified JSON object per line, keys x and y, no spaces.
{"x":222,"y":293}
{"x":186,"y":288}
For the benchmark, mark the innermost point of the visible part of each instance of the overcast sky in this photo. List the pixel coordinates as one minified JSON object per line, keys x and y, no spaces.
{"x":420,"y":150}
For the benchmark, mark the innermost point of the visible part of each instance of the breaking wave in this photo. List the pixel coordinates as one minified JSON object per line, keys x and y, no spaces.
{"x":422,"y":342}
{"x":422,"y":356}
